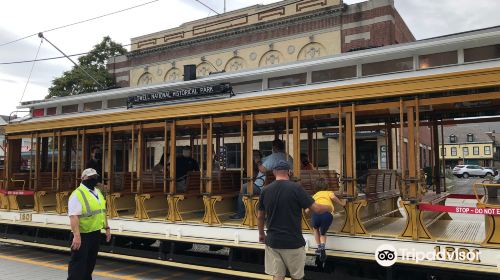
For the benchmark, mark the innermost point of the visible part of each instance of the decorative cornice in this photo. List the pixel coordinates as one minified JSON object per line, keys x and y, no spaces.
{"x":318,"y":14}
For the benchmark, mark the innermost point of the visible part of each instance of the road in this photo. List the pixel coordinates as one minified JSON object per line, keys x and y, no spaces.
{"x":462,"y":186}
{"x":20,"y":262}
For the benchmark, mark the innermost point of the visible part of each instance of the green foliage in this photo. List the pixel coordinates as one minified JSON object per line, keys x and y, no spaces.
{"x":75,"y":81}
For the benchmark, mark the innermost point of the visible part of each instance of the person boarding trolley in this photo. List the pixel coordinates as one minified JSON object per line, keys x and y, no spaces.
{"x":87,"y":215}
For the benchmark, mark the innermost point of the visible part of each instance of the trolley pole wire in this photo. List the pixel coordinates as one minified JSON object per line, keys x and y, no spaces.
{"x":31,"y":71}
{"x":208,"y":7}
{"x":79,"y":22}
{"x":76,"y":64}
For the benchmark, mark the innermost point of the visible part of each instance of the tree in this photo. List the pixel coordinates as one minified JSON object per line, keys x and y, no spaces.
{"x":75,"y":81}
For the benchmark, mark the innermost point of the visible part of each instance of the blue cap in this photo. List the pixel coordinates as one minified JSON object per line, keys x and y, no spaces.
{"x":282,"y":165}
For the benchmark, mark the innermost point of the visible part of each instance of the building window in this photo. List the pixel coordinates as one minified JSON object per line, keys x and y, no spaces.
{"x":389,"y":66}
{"x":437,"y":59}
{"x":443,"y":151}
{"x":470,"y":137}
{"x":233,"y":155}
{"x":320,"y":148}
{"x":286,"y":81}
{"x":465,"y":150}
{"x":69,"y":109}
{"x":150,"y":158}
{"x":453,"y":151}
{"x":487,"y":150}
{"x":482,"y":53}
{"x":116,"y":103}
{"x":475,"y":150}
{"x":453,"y":138}
{"x":51,"y":111}
{"x":249,"y":86}
{"x":334,"y":74}
{"x":92,"y":106}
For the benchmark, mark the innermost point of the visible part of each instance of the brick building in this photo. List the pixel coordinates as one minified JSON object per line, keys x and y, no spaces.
{"x":259,"y":36}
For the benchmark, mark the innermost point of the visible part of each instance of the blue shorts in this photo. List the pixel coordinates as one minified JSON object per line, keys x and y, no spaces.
{"x":322,"y":222}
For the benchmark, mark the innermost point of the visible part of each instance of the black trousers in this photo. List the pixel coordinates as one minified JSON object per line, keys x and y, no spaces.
{"x":82,"y":262}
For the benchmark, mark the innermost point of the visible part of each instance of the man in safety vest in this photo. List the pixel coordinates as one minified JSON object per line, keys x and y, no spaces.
{"x":87,"y":215}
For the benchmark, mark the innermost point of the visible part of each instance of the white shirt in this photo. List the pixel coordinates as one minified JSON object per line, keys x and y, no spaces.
{"x":269,"y":163}
{"x":74,"y":205}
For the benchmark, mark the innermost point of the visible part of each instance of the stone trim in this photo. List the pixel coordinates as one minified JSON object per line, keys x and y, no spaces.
{"x":357,"y":36}
{"x":368,"y":22}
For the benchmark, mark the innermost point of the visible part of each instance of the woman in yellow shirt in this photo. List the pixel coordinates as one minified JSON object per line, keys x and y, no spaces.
{"x":322,"y":222}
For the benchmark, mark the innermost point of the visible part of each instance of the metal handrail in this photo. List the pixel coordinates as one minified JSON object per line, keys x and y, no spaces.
{"x":484,"y":186}
{"x":19,"y":180}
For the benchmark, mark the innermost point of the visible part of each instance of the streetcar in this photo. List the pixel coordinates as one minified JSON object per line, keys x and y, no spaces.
{"x":370,"y":121}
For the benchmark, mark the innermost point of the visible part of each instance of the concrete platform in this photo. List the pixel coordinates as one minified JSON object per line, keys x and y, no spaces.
{"x":21,"y":262}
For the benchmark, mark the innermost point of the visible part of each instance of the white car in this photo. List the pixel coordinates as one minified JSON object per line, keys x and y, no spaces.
{"x":464,"y":171}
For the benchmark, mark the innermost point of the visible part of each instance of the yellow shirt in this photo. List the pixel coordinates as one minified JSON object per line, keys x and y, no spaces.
{"x":324,"y":198}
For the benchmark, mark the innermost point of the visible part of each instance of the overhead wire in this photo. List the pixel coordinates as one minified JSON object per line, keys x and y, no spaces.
{"x":155,"y":38}
{"x":78,"y":22}
{"x":208,"y":7}
{"x":31,"y":70}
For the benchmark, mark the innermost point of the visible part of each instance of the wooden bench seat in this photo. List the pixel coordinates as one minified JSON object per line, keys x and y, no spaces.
{"x":378,"y":199}
{"x":182,"y":204}
{"x":434,"y":198}
{"x":428,"y":217}
{"x":17,"y":195}
{"x":152,"y":199}
{"x":121,"y":201}
{"x":67,"y":183}
{"x":225,"y":187}
{"x":308,"y":179}
{"x":45,"y":194}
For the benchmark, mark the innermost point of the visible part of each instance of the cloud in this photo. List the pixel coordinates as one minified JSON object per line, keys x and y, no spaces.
{"x":4,"y":80}
{"x":430,"y":18}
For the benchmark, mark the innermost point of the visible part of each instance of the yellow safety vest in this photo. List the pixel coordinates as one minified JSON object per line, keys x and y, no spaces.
{"x":93,"y":211}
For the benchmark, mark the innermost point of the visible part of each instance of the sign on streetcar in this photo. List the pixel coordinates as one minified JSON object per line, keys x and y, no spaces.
{"x":164,"y":97}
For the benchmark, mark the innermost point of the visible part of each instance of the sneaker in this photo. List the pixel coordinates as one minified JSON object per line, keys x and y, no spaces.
{"x":236,"y":217}
{"x":322,"y":256}
{"x":317,"y":252}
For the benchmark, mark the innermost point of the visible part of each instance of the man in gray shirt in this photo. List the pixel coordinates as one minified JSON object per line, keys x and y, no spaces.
{"x":268,"y":164}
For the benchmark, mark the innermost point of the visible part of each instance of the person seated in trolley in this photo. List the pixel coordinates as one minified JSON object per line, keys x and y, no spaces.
{"x":183,"y":165}
{"x":305,"y":162}
{"x":87,"y":214}
{"x":268,"y":163}
{"x":322,"y":222}
{"x":95,"y":161}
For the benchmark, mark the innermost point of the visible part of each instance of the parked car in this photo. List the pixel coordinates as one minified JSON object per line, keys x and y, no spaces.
{"x":495,"y":170}
{"x":465,"y":171}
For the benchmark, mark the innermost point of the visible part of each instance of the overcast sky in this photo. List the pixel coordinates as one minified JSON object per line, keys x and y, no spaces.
{"x":426,"y":18}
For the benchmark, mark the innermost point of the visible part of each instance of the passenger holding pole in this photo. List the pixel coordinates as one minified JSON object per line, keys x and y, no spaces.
{"x":184,"y":164}
{"x":267,"y":164}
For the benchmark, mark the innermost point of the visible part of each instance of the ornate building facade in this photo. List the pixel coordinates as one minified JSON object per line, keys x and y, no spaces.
{"x":260,"y":36}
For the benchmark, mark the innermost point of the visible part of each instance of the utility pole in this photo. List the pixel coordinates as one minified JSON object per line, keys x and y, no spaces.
{"x":225,"y":6}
